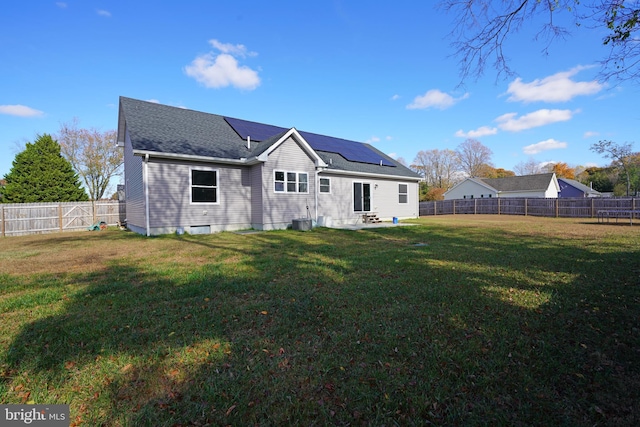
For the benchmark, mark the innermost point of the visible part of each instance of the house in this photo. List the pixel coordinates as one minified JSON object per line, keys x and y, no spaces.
{"x":202,"y":173}
{"x":573,"y":188}
{"x":543,"y":185}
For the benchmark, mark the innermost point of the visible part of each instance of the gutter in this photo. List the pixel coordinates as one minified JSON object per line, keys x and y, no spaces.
{"x":146,"y":193}
{"x":370,"y":174}
{"x":243,"y":161}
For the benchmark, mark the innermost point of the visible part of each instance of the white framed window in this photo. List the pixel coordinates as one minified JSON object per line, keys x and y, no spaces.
{"x":204,"y":186}
{"x":325,"y":185}
{"x":290,"y":182}
{"x":403,"y":193}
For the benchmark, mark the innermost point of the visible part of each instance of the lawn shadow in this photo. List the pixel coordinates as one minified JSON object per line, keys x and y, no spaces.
{"x":342,"y":327}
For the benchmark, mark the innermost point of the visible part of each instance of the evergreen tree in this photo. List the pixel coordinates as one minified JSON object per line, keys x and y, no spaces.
{"x":41,"y":174}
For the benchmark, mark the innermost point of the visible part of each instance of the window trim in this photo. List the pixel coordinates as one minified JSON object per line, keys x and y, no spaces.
{"x":286,"y":182}
{"x":405,"y":194}
{"x":320,"y":185}
{"x":216,"y":187}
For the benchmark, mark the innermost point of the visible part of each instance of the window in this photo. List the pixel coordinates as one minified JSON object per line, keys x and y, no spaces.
{"x":402,"y":193}
{"x":204,"y":186}
{"x":361,"y":197}
{"x":290,"y":182}
{"x":325,"y":185}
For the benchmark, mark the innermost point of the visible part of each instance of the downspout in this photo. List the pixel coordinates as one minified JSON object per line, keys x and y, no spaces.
{"x":316,"y":193}
{"x":146,"y":192}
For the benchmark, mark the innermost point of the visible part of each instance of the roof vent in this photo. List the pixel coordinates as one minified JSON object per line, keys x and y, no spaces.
{"x":248,"y":142}
{"x":380,"y":162}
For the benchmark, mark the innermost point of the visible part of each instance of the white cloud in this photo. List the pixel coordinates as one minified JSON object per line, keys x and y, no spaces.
{"x":590,"y":133}
{"x":436,"y":99}
{"x":155,"y":101}
{"x":20,"y":111}
{"x":104,"y":13}
{"x":549,"y":144}
{"x":393,"y":155}
{"x":481,"y":131}
{"x":388,"y":137}
{"x":222,"y":71}
{"x":232,"y":49}
{"x":556,"y":88}
{"x":217,"y":70}
{"x":61,"y":5}
{"x":395,"y":97}
{"x":372,"y":140}
{"x":511,"y":123}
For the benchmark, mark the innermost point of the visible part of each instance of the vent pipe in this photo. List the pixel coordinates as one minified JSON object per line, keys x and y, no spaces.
{"x":380,"y":162}
{"x":248,"y":142}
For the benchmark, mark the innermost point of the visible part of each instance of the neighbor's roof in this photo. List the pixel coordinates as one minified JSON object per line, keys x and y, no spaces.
{"x":539,"y":182}
{"x":170,"y":130}
{"x":580,"y":186}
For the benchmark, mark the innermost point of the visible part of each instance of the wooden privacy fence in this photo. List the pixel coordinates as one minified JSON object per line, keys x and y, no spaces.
{"x":562,"y":207}
{"x":18,"y":219}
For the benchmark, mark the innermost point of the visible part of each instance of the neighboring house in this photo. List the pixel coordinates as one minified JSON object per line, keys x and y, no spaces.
{"x":199,"y":172}
{"x":573,"y":188}
{"x":541,"y":185}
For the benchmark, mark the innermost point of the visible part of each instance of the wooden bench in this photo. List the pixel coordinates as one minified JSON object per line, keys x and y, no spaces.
{"x":607,"y":214}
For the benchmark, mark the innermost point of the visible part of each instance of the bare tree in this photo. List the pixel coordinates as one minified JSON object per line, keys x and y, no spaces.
{"x":93,"y":154}
{"x":620,"y":155}
{"x":482,"y":28}
{"x":530,"y":167}
{"x":438,"y":167}
{"x":474,"y":157}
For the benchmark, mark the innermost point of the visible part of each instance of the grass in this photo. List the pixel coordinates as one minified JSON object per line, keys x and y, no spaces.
{"x":461,"y":320}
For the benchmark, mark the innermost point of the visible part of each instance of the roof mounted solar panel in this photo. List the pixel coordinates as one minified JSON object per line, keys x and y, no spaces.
{"x":350,"y":150}
{"x":256,"y":131}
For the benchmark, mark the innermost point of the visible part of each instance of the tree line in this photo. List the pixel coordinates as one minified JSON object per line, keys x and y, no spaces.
{"x":442,"y":169}
{"x":75,"y":165}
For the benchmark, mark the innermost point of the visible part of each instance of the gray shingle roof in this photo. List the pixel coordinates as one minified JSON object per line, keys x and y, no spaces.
{"x":163,"y":129}
{"x":539,"y":182}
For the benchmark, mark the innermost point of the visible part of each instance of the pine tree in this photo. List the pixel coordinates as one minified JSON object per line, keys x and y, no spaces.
{"x":41,"y":174}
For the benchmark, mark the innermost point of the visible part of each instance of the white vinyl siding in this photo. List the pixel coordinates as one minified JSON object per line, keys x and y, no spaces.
{"x":281,"y":207}
{"x":134,"y":186}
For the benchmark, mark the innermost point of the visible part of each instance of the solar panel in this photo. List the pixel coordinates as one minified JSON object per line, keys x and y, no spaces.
{"x":350,"y":150}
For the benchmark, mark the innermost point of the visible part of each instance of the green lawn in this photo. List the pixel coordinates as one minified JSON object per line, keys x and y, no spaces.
{"x":461,"y":320}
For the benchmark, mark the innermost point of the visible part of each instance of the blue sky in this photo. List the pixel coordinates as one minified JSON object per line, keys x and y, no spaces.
{"x":359,"y":70}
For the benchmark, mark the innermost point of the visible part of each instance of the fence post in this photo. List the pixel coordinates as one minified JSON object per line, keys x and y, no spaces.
{"x":498,"y":206}
{"x":557,"y":207}
{"x":3,"y":228}
{"x":475,"y":206}
{"x":592,"y":208}
{"x":526,"y":206}
{"x":435,"y":208}
{"x":60,"y":215}
{"x":454,"y":206}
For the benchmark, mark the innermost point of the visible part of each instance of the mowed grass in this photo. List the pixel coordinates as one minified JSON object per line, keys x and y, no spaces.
{"x":460,"y":320}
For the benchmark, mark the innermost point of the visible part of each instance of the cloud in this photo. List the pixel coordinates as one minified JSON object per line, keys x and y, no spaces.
{"x":509,"y":122}
{"x":155,"y":101}
{"x":589,"y":134}
{"x":20,"y":111}
{"x":61,"y":5}
{"x":556,"y":88}
{"x":549,"y":144}
{"x":372,"y":140}
{"x":218,"y":70}
{"x":232,"y":49}
{"x":104,"y":13}
{"x":436,"y":99}
{"x":395,"y":97}
{"x":481,"y":131}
